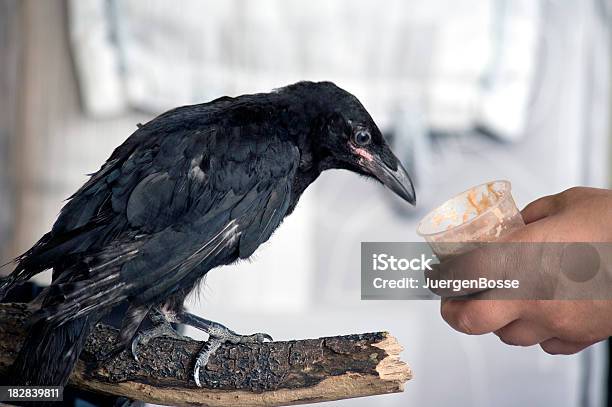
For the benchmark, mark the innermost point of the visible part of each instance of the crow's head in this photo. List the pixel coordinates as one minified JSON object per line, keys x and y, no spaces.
{"x":346,"y":137}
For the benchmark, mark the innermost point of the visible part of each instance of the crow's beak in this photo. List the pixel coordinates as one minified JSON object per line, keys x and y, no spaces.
{"x":397,"y":180}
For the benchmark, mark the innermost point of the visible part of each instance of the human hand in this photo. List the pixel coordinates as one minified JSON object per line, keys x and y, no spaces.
{"x":559,"y":326}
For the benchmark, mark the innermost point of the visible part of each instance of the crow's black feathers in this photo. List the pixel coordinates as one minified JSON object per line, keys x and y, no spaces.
{"x":197,"y":187}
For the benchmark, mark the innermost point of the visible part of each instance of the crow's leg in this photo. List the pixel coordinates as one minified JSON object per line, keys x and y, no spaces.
{"x":161,"y":327}
{"x":218,"y":335}
{"x":218,"y":331}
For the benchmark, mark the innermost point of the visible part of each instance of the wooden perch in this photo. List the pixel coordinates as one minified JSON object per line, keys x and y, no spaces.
{"x":269,"y":374}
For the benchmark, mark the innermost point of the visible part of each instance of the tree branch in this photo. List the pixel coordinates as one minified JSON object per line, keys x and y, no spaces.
{"x":269,"y":374}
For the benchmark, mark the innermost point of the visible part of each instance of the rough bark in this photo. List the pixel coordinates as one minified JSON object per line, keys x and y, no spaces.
{"x":269,"y":374}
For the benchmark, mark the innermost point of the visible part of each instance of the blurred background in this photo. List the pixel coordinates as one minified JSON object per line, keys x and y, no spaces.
{"x":468,"y":90}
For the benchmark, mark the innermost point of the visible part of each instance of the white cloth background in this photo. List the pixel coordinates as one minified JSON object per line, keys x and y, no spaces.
{"x":462,"y":62}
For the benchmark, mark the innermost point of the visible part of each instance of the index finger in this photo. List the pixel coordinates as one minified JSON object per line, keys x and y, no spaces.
{"x":480,"y":317}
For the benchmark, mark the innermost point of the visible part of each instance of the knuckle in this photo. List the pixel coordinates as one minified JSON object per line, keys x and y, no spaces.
{"x":549,"y":348}
{"x":505,"y":338}
{"x":572,"y":191}
{"x":461,"y":315}
{"x":510,"y":341}
{"x":508,"y":338}
{"x":464,"y":322}
{"x":568,"y":195}
{"x":562,"y":325}
{"x":523,"y":341}
{"x":445,"y":310}
{"x":560,"y":348}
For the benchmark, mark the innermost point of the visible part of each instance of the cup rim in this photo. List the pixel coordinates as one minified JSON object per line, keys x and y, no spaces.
{"x":508,"y":190}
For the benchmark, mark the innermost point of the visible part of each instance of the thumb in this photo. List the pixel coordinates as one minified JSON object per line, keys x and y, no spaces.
{"x":540,"y":208}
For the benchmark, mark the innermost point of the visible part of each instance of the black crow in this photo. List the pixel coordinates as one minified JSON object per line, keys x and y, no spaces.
{"x":195,"y":188}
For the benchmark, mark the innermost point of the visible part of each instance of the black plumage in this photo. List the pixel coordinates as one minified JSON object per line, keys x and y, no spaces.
{"x":197,"y":187}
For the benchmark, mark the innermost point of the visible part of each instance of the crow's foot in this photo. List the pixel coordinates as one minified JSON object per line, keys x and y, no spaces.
{"x":208,"y":349}
{"x":217,"y":335}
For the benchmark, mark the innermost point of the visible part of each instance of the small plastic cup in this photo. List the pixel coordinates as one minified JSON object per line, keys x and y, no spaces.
{"x":483,"y":213}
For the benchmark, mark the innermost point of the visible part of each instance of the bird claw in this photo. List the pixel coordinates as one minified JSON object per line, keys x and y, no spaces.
{"x":258,"y":337}
{"x":134,"y":347}
{"x":235,"y":338}
{"x":214,"y":342}
{"x":207,"y":350}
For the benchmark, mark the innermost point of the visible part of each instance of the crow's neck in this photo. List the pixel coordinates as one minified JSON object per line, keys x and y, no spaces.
{"x":311,"y":164}
{"x":306,"y":174}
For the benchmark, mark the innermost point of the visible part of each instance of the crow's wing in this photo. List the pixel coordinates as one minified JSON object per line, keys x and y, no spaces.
{"x":167,"y":159}
{"x":199,"y":202}
{"x":244,"y":200}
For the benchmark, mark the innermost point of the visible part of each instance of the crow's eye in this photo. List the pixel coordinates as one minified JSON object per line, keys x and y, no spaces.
{"x":363,"y":138}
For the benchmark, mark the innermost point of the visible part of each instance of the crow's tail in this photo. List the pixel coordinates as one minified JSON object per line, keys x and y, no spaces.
{"x":6,"y":283}
{"x":23,"y":271}
{"x":50,"y":352}
{"x":27,"y":265}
